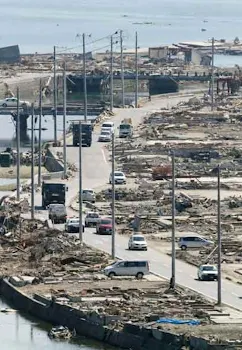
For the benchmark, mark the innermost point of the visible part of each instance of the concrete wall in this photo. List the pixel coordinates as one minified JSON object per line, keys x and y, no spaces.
{"x":10,"y":54}
{"x":133,"y":336}
{"x":52,"y":164}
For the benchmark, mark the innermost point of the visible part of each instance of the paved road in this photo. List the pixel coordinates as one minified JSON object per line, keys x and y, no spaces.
{"x":96,"y":169}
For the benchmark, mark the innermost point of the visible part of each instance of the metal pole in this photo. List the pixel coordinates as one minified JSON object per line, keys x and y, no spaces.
{"x":212,"y":77}
{"x":55,"y":99}
{"x":173,"y":240}
{"x":84,"y":77}
{"x":80,"y":182}
{"x":18,"y":146}
{"x":113,"y":199}
{"x":122,"y":67}
{"x":40,"y":127}
{"x":64,"y":121}
{"x":219,"y":301}
{"x":111,"y":76}
{"x":32,"y":163}
{"x":136,"y":71}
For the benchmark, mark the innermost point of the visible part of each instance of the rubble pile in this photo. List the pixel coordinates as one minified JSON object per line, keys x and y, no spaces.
{"x":33,"y":249}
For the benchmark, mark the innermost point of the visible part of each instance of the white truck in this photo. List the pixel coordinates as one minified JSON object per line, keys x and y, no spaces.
{"x":126,"y":128}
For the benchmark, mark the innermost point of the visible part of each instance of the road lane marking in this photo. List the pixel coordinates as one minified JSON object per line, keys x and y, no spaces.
{"x":104,"y":157}
{"x":235,"y":294}
{"x":179,"y":270}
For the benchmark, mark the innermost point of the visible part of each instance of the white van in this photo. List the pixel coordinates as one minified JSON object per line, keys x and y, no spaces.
{"x":108,"y":126}
{"x":193,"y":242}
{"x":137,"y":268}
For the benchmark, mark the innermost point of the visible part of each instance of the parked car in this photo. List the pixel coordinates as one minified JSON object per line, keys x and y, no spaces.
{"x":105,"y":136}
{"x":12,"y":102}
{"x":137,"y":242}
{"x":207,"y":272}
{"x":119,"y":177}
{"x":88,"y":195}
{"x":72,"y":225}
{"x":57,"y":213}
{"x":193,"y":242}
{"x":92,"y":219}
{"x":137,"y":268}
{"x":108,"y":126}
{"x":104,"y":226}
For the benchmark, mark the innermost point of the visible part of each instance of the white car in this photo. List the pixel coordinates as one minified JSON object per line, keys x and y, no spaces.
{"x":12,"y":102}
{"x":137,"y":242}
{"x":72,"y":225}
{"x":92,"y":219}
{"x":207,"y":272}
{"x":107,"y":126}
{"x":105,"y":136}
{"x":119,"y":177}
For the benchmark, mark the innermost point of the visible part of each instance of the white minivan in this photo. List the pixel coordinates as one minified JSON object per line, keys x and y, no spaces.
{"x":108,"y":126}
{"x":193,"y":242}
{"x":136,"y":268}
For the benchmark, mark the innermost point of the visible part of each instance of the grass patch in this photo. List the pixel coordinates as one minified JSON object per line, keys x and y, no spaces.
{"x":25,"y":172}
{"x":6,"y":188}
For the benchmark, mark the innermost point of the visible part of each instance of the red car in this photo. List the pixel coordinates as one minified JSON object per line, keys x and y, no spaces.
{"x":104,"y":227}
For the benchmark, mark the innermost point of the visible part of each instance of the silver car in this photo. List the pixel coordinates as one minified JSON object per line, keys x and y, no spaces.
{"x":193,"y":242}
{"x":137,"y":268}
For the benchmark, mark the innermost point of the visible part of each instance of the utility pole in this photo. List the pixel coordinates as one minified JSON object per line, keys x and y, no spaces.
{"x":40,"y":127}
{"x":173,"y":238}
{"x":122,"y":67}
{"x":113,"y":197}
{"x":18,"y":146}
{"x":84,"y":76}
{"x":111,"y":76}
{"x":219,"y":301}
{"x":55,"y":98}
{"x":212,"y":77}
{"x":136,"y":71}
{"x":80,"y":182}
{"x":64,"y":121}
{"x":32,"y":163}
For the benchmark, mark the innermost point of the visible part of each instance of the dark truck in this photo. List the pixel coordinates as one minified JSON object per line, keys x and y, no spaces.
{"x":53,"y":192}
{"x":86,"y":134}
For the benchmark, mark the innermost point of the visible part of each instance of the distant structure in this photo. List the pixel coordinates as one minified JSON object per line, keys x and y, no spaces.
{"x":10,"y":54}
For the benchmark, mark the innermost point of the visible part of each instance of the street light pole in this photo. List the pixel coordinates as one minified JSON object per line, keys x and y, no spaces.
{"x":212,"y":77}
{"x":113,"y":197}
{"x":80,"y":181}
{"x":40,"y":127}
{"x":55,"y":98}
{"x":18,"y":146}
{"x":64,"y":121}
{"x":219,"y":301}
{"x":32,"y":163}
{"x":136,"y":71}
{"x":122,"y":67}
{"x":173,"y":239}
{"x":84,"y":77}
{"x":111,"y":76}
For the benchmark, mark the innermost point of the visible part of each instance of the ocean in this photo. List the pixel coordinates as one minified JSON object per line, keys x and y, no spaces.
{"x":39,"y":25}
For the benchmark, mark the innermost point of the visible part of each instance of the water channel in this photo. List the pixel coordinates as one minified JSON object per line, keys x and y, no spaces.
{"x":21,"y":332}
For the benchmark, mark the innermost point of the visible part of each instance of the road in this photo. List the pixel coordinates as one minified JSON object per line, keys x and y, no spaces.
{"x":96,"y":170}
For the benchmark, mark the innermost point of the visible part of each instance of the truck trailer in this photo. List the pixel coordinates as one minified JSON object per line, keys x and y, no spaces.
{"x":86,"y":134}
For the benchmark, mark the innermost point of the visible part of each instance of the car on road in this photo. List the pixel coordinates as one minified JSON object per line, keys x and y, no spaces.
{"x":12,"y":102}
{"x":92,"y":219}
{"x":119,"y":177}
{"x":105,"y":136}
{"x":88,"y":195}
{"x":137,"y":268}
{"x":107,"y":126}
{"x":104,"y":226}
{"x":137,"y":242}
{"x":193,"y":242}
{"x":57,"y":213}
{"x":72,"y":225}
{"x":207,"y":273}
